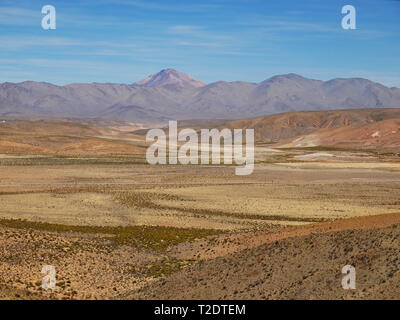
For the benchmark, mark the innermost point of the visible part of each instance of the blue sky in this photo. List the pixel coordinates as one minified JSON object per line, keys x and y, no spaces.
{"x":123,"y":41}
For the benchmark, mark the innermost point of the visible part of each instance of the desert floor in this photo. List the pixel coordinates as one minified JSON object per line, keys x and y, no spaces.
{"x":117,"y":228}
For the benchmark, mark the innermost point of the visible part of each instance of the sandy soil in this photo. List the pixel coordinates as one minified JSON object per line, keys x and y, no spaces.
{"x":296,"y":263}
{"x":303,"y":264}
{"x":134,"y":195}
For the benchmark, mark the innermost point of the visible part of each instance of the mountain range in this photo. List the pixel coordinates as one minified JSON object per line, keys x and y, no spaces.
{"x":170,"y":94}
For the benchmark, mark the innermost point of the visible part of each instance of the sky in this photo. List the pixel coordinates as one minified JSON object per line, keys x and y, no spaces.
{"x":123,"y":41}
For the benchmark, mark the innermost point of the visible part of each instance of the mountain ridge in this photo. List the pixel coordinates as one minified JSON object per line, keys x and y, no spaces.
{"x":176,"y":96}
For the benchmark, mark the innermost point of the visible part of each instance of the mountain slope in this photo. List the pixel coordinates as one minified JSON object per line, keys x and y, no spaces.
{"x":381,"y":135}
{"x":275,"y":128}
{"x":306,"y":265}
{"x":173,"y":95}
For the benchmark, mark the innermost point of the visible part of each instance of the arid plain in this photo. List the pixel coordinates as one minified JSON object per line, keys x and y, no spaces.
{"x":80,"y":196}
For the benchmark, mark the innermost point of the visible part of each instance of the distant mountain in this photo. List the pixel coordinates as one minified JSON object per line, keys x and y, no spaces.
{"x":170,"y":78}
{"x":173,"y":95}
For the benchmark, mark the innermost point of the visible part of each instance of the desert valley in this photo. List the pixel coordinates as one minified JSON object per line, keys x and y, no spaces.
{"x":77,"y":193}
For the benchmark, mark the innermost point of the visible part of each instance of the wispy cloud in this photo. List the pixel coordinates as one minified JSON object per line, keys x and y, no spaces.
{"x":15,"y":43}
{"x":8,"y":42}
{"x":198,"y":44}
{"x":185,"y":6}
{"x":199,"y":36}
{"x":275,"y":23}
{"x":182,"y":29}
{"x":19,"y":16}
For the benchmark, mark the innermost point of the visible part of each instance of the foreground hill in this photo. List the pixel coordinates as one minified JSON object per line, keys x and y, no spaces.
{"x":173,"y":95}
{"x":299,"y":263}
{"x":303,"y":266}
